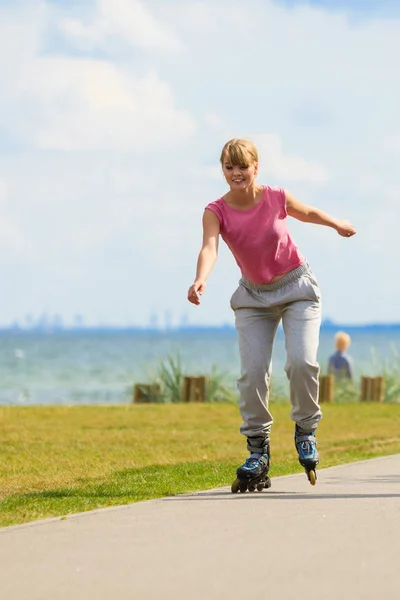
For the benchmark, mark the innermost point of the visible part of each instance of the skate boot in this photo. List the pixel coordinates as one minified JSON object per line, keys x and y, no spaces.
{"x":253,"y":474}
{"x":306,"y":446}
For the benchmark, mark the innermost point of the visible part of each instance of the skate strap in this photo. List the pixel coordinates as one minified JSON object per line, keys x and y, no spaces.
{"x":306,"y":438}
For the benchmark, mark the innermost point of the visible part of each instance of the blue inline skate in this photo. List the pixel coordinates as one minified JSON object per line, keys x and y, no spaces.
{"x":306,"y":446}
{"x":253,"y":474}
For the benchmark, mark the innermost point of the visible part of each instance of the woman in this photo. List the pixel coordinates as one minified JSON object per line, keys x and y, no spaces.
{"x":277,"y":284}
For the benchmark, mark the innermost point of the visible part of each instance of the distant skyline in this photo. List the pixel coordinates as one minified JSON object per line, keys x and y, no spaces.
{"x":55,"y":323}
{"x":113,"y":116}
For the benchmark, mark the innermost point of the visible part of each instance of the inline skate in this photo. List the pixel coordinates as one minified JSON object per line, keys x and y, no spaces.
{"x":306,"y":446}
{"x":253,"y":474}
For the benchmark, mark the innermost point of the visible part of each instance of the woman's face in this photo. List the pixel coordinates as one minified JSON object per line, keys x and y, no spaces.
{"x":239,"y":177}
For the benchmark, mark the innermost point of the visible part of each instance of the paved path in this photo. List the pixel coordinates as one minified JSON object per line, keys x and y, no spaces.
{"x":339,"y":540}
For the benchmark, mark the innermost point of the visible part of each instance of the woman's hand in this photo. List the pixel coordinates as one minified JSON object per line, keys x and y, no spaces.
{"x":345,"y":228}
{"x":195,"y":291}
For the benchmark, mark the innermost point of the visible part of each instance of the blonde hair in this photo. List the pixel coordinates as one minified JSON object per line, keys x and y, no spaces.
{"x":239,"y":152}
{"x":342,"y":340}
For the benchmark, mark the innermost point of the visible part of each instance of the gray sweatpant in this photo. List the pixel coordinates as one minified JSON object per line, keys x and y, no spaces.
{"x":259,"y":308}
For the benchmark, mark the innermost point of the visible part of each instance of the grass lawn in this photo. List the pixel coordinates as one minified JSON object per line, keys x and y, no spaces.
{"x":56,"y":461}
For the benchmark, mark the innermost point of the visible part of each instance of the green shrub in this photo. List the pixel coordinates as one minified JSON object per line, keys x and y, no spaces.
{"x":169,"y":375}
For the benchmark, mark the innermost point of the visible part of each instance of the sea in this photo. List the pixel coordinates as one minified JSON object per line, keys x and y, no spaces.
{"x":101,"y":366}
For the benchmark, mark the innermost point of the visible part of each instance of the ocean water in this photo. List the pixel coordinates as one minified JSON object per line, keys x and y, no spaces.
{"x":98,"y":367}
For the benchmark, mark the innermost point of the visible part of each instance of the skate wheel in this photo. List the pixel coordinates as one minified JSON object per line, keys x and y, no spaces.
{"x":235,"y":486}
{"x":252,"y":488}
{"x":260,"y":487}
{"x":267,"y":483}
{"x":243,"y":487}
{"x":312,"y":477}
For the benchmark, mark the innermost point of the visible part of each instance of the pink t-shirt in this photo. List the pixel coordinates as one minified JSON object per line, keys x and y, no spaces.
{"x":259,"y":237}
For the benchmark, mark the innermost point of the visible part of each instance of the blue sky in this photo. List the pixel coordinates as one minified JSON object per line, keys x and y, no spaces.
{"x":113,"y":114}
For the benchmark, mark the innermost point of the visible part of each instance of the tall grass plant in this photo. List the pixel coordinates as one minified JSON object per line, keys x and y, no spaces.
{"x":169,"y":375}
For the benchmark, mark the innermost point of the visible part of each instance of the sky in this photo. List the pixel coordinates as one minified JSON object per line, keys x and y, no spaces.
{"x":113,"y":115}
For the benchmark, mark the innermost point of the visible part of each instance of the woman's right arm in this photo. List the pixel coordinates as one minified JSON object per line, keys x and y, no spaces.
{"x":207,"y":256}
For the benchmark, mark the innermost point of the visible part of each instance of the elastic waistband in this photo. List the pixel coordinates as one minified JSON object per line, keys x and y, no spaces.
{"x":276,"y":285}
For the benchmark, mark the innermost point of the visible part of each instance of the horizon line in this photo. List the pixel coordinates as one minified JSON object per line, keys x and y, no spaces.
{"x":326,"y":324}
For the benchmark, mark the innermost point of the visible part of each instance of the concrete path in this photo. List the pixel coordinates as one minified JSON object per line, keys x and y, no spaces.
{"x":338,"y":540}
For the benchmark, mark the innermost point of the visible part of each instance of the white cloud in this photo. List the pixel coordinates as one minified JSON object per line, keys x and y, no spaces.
{"x":11,"y":238}
{"x":74,"y":103}
{"x":214,"y":121}
{"x":391,"y":143}
{"x":121,"y":21}
{"x":289,"y":168}
{"x":93,"y":105}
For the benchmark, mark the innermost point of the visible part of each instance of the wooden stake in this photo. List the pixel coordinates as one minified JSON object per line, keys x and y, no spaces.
{"x":365,"y":389}
{"x":194,"y":389}
{"x":378,"y":389}
{"x":326,"y":388}
{"x":372,"y":389}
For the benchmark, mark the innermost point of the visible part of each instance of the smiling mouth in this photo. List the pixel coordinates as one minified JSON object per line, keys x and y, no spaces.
{"x":238,"y":180}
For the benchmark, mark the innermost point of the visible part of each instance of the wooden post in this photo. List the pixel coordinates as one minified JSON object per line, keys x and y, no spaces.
{"x":194,"y":389}
{"x":144,"y":392}
{"x":378,"y":389}
{"x":372,"y":389}
{"x":326,"y":388}
{"x":366,"y":384}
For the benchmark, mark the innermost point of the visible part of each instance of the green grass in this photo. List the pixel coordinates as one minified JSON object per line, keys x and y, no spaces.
{"x":55,"y":461}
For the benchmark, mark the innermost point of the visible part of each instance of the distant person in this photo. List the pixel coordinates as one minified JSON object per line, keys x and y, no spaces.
{"x":340,"y":363}
{"x":276,"y":284}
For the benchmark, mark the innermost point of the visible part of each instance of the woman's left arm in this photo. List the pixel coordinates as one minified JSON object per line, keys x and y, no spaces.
{"x":310,"y":214}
